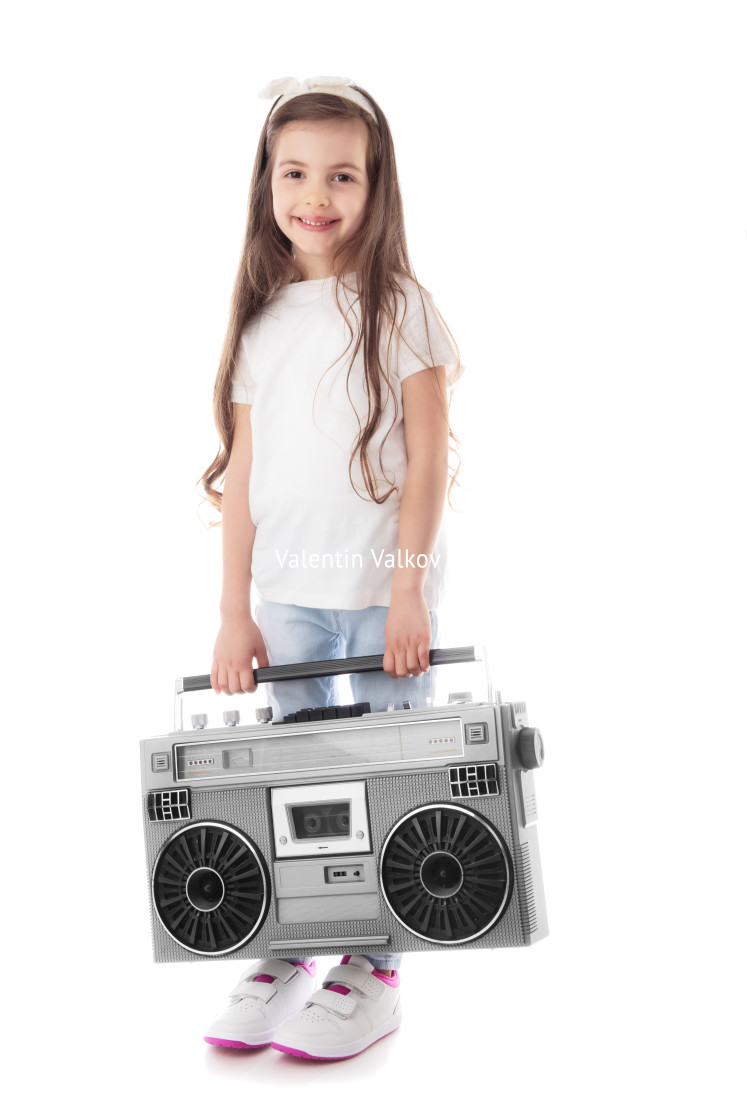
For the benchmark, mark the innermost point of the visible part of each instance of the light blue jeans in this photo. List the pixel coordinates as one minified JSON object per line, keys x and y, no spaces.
{"x":293,"y":634}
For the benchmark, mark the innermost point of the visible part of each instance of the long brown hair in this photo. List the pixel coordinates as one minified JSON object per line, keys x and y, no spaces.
{"x":376,"y":253}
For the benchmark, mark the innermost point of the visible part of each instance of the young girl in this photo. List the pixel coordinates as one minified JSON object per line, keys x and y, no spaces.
{"x":331,"y":404}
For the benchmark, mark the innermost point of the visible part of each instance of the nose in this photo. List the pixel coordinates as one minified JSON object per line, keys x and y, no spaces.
{"x":317,"y":193}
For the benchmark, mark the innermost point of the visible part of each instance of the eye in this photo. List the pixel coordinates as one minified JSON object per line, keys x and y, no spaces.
{"x":292,"y":174}
{"x":342,"y":177}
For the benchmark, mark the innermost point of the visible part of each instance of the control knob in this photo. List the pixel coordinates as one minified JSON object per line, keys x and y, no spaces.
{"x":530,"y":749}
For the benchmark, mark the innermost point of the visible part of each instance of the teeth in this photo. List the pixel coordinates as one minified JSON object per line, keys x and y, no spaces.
{"x":306,"y":222}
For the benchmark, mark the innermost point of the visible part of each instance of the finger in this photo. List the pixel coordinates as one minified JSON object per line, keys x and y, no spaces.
{"x":413,"y":659}
{"x":222,"y":674}
{"x":424,"y":654}
{"x":224,"y":681}
{"x":400,"y":660}
{"x":214,"y":677}
{"x":389,"y":663}
{"x":413,"y":663}
{"x":247,"y":681}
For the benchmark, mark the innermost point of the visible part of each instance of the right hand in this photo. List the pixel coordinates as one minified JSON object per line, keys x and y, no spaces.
{"x":239,"y":642}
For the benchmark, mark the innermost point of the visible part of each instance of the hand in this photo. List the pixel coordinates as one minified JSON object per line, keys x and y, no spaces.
{"x":239,"y":642}
{"x":407,"y":635}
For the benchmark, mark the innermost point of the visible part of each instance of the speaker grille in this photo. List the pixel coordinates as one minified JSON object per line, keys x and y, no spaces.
{"x":445,"y":873}
{"x":529,"y":904}
{"x":169,"y":805}
{"x":480,"y":780}
{"x":210,"y":888}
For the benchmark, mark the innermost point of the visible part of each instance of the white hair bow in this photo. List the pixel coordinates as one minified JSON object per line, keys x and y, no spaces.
{"x":287,"y":88}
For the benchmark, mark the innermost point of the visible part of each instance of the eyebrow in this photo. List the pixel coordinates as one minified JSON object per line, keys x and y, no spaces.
{"x":337,"y":166}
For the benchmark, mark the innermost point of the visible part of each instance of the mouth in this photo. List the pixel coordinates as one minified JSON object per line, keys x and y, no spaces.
{"x":316,"y":223}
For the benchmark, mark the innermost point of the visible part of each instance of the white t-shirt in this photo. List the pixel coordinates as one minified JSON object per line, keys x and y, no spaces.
{"x":318,"y":543}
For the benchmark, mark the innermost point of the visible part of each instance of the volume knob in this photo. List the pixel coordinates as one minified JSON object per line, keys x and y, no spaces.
{"x":530,"y":749}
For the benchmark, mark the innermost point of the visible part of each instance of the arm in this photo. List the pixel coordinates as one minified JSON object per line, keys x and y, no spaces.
{"x":239,"y":639}
{"x":426,"y":417}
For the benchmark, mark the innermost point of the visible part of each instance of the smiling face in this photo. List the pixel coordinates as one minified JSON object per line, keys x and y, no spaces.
{"x":319,"y":189}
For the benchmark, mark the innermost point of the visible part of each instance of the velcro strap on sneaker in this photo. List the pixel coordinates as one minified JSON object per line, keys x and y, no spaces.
{"x":257,"y":989}
{"x":280,"y":970}
{"x":334,"y":1001}
{"x":353,"y":977}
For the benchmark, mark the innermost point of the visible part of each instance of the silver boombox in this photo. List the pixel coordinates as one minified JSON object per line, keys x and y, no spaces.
{"x":343,"y":831}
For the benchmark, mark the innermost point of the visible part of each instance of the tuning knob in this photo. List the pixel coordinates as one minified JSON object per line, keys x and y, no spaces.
{"x":263,"y":715}
{"x":231,"y":718}
{"x":199,"y":722}
{"x":530,"y":749}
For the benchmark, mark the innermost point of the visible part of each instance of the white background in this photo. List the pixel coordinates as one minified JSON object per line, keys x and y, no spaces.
{"x":575,"y":182}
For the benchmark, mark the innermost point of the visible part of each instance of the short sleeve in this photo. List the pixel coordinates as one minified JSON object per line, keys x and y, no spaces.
{"x":242,"y":387}
{"x":424,"y":340}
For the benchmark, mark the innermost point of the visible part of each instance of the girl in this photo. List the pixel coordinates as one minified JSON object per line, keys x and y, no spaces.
{"x":331,"y":405}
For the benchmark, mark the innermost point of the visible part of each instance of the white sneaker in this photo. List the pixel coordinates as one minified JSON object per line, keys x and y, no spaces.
{"x":267,"y":993}
{"x":355,"y":1007}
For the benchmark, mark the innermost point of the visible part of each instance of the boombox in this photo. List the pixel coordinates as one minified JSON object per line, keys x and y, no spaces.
{"x":340,"y":830}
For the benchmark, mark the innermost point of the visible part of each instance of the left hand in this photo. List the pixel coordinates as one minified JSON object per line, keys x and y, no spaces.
{"x":407,"y":635}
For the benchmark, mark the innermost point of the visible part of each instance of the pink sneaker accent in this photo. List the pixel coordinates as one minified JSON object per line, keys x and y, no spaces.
{"x":265,"y":979}
{"x":339,"y":988}
{"x":392,"y":981}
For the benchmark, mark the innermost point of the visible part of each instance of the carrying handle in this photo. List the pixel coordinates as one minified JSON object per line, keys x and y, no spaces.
{"x":334,"y":668}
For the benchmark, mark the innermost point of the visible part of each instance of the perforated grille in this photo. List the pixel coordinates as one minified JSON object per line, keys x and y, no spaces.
{"x":480,"y":780}
{"x":445,"y":873}
{"x":169,"y":805}
{"x":210,"y":888}
{"x":529,"y":903}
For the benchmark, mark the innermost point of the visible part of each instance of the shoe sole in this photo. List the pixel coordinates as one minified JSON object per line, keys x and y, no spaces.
{"x":363,"y":1044}
{"x":235,"y":1044}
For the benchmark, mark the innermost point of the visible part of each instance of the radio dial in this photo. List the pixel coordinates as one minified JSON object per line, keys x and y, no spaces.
{"x":529,"y":748}
{"x":199,"y":722}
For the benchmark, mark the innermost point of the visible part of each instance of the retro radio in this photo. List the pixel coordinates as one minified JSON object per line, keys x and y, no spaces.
{"x":340,"y":830}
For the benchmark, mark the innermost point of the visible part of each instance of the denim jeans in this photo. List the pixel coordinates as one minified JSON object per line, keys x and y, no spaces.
{"x":294,"y":634}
